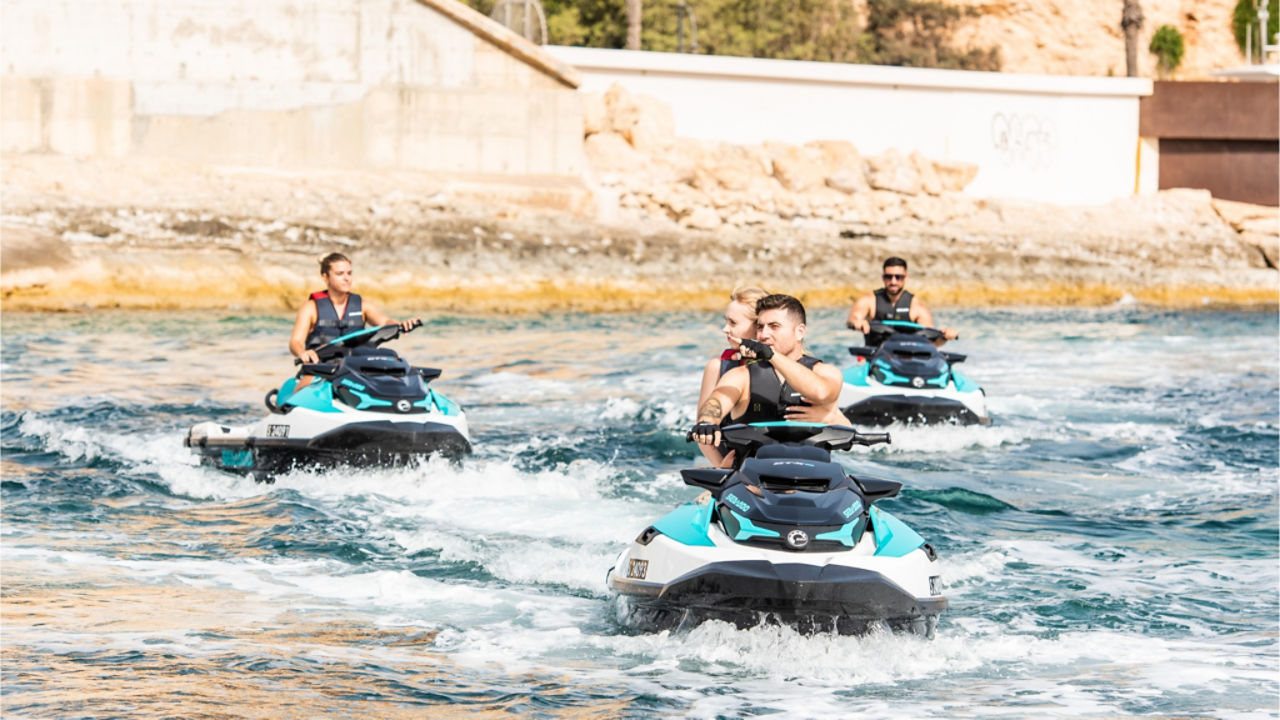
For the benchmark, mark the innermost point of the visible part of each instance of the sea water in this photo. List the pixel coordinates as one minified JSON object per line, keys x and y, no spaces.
{"x":1108,"y":544}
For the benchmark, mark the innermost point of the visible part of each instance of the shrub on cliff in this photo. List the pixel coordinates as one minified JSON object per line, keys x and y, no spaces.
{"x":1166,"y":45}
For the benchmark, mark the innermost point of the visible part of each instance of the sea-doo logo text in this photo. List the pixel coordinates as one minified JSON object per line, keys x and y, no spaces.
{"x":637,"y":569}
{"x":278,"y":431}
{"x":737,"y":502}
{"x":352,"y":384}
{"x":403,"y":405}
{"x":797,"y":539}
{"x":792,"y":462}
{"x":917,"y":382}
{"x":848,"y":512}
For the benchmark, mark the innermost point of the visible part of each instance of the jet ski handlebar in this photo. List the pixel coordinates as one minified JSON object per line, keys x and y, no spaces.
{"x":886,"y":329}
{"x":749,"y":438}
{"x":369,"y":336}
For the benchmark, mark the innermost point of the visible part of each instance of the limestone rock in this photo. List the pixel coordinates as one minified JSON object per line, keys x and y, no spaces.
{"x":655,"y":128}
{"x":735,"y":168}
{"x":843,"y":166}
{"x":645,"y":122}
{"x":610,"y":152}
{"x":955,"y":177}
{"x":797,"y":169}
{"x":891,"y":171}
{"x":928,"y":177}
{"x":702,"y":218}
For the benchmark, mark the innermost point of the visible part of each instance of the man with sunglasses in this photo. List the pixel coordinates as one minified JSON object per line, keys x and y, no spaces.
{"x":893,"y":302}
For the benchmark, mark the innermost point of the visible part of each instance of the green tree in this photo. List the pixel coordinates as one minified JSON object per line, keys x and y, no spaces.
{"x":1167,"y":46}
{"x":915,"y":33}
{"x":1245,"y":18}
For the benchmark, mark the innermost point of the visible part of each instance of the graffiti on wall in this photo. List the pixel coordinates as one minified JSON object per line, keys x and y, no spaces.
{"x":1024,"y":141}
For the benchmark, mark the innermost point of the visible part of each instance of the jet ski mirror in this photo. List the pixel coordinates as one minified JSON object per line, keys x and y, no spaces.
{"x":876,"y":489}
{"x":954,"y":358}
{"x":862,"y":351}
{"x":709,"y":478}
{"x":428,"y":374}
{"x":321,"y":369}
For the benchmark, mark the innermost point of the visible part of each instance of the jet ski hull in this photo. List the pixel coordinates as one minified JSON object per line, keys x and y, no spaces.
{"x":677,"y":582}
{"x":809,"y":598}
{"x":909,"y":409}
{"x":273,"y":446}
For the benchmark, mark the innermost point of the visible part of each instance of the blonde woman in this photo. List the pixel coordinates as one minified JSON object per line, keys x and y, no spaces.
{"x":739,"y":323}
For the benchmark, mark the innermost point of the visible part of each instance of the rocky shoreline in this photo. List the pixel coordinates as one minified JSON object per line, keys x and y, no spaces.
{"x":148,"y":234}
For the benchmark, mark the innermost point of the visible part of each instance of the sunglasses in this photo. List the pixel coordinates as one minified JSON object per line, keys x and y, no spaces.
{"x":891,"y":276}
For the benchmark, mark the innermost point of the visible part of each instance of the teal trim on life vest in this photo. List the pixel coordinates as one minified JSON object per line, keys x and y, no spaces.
{"x":317,"y":396}
{"x":843,"y":535}
{"x":748,"y":529}
{"x":893,"y":537}
{"x":687,"y":524}
{"x":857,"y":374}
{"x":237,"y":458}
{"x":963,"y":383}
{"x":902,"y":323}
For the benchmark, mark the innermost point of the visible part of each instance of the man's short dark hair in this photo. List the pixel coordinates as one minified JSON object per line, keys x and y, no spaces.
{"x":329,"y":260}
{"x":782,"y":302}
{"x":895,"y":262}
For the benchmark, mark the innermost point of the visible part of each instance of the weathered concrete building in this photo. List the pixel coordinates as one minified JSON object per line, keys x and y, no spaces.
{"x":408,"y":84}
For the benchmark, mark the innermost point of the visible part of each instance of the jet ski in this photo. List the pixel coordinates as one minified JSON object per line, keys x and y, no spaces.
{"x":901,"y":377}
{"x":788,"y":536}
{"x":363,"y":406}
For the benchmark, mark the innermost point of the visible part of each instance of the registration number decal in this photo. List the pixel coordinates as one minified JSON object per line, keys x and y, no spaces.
{"x":278,"y":431}
{"x":637,"y":569}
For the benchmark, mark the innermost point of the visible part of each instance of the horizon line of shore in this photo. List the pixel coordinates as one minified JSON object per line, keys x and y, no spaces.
{"x":77,"y":294}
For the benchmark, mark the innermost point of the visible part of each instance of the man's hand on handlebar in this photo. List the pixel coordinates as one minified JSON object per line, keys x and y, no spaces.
{"x":705,"y":433}
{"x":407,"y":325}
{"x":308,"y":357}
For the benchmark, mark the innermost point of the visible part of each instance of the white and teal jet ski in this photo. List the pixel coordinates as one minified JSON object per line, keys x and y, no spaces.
{"x":903,"y":378}
{"x":364,"y":406}
{"x":788,"y":537}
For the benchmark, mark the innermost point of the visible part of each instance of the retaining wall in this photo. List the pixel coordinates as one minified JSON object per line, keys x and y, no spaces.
{"x":1047,"y":138}
{"x":416,"y":84}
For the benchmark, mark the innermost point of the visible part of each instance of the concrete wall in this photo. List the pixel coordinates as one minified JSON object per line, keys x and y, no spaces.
{"x":418,"y":84}
{"x":1054,"y":139}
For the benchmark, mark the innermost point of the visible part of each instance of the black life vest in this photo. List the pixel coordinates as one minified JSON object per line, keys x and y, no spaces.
{"x":770,"y":396}
{"x":328,"y":325}
{"x":885,"y":310}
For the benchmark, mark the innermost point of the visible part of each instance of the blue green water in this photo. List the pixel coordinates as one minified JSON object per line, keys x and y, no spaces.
{"x":1109,"y":544}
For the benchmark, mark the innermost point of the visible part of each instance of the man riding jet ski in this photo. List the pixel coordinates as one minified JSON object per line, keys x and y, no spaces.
{"x":359,"y":405}
{"x":907,"y":379}
{"x":785,"y":536}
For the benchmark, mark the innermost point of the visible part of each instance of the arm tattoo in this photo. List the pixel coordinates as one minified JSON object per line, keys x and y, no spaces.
{"x":711,"y":409}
